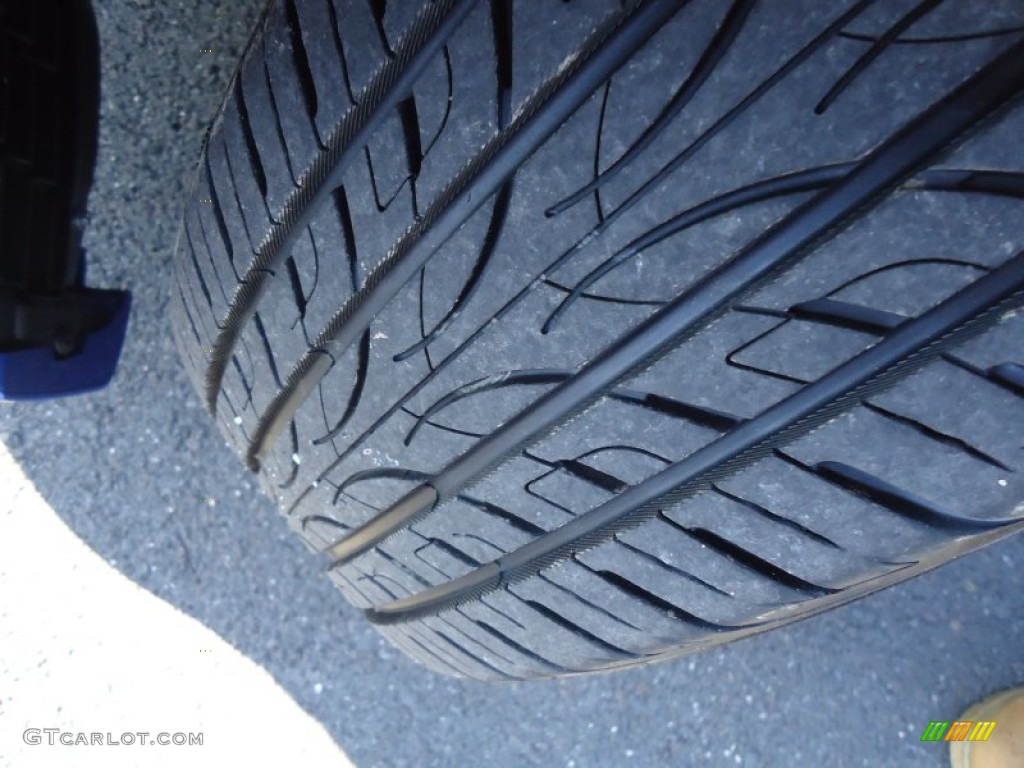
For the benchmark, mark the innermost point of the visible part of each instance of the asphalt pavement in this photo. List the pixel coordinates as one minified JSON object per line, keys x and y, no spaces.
{"x":141,"y":474}
{"x":96,"y":672}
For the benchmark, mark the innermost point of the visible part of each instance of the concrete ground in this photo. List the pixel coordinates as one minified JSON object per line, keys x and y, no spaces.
{"x":92,"y":661}
{"x":131,"y":471}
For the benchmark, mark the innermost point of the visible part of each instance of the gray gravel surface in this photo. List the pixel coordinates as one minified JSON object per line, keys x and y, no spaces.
{"x":133,"y":469}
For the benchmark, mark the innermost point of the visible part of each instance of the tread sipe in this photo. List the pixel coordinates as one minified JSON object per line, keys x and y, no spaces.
{"x":581,"y":335}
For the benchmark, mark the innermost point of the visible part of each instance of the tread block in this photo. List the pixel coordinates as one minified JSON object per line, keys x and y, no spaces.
{"x":998,"y":427}
{"x":326,"y":63}
{"x":267,"y":130}
{"x":940,"y":472}
{"x":362,"y":44}
{"x":389,"y":164}
{"x":291,"y":84}
{"x":249,"y":187}
{"x":223,"y":223}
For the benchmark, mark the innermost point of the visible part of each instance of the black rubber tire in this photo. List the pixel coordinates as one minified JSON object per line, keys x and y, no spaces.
{"x":801,"y":381}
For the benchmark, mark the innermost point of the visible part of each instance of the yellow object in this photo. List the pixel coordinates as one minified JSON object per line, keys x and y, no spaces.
{"x":1004,"y":747}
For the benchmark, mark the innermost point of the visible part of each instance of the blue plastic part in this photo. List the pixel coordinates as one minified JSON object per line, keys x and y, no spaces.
{"x":37,"y":374}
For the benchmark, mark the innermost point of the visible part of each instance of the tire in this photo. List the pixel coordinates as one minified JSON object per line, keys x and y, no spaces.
{"x":579,"y":335}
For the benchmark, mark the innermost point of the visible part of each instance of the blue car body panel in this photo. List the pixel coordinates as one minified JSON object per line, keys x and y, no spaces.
{"x":38,"y":374}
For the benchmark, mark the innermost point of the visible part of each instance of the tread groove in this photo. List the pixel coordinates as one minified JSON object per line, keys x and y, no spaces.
{"x":255,"y":162}
{"x":519,"y":648}
{"x":218,"y":215}
{"x":576,"y":629}
{"x":662,"y":565}
{"x":296,"y":286}
{"x":842,"y":314}
{"x":660,"y":603}
{"x":896,"y":499}
{"x":937,"y":435}
{"x":747,"y":559}
{"x":1010,"y":375}
{"x":792,"y":525}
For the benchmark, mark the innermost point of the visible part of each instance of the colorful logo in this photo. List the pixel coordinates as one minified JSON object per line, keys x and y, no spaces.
{"x":958,"y":730}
